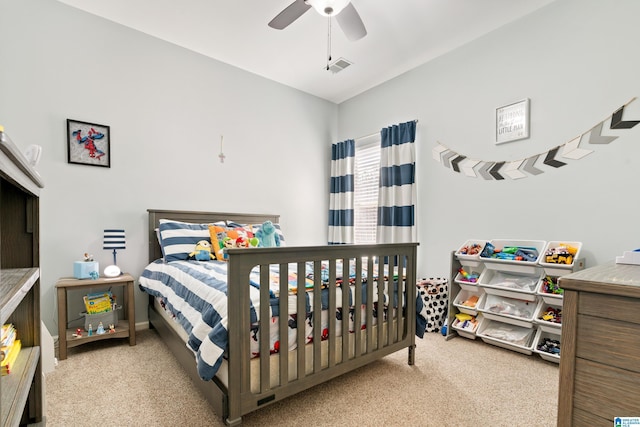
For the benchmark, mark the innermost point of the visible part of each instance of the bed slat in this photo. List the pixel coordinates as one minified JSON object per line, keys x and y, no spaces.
{"x":317,"y":316}
{"x":301,"y":318}
{"x":332,"y":316}
{"x":283,"y":331}
{"x":265,"y":315}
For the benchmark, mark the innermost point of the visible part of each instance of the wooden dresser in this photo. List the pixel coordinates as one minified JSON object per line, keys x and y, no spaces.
{"x":600,"y":347}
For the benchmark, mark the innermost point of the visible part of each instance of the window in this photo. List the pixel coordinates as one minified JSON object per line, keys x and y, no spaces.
{"x":367,"y":176}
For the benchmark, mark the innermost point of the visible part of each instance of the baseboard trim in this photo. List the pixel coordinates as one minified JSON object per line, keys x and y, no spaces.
{"x":141,"y":326}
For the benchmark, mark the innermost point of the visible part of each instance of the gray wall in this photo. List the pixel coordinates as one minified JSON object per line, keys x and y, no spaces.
{"x":577,"y":62}
{"x":167,"y":108}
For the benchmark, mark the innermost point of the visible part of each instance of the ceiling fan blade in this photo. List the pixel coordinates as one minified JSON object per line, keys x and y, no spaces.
{"x":292,"y":12}
{"x":351,"y":23}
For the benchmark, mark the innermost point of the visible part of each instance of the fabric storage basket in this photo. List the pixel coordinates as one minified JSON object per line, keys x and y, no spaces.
{"x":107,"y":318}
{"x":434,"y":293}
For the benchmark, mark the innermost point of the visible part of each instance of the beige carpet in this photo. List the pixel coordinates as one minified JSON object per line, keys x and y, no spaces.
{"x":453,"y":383}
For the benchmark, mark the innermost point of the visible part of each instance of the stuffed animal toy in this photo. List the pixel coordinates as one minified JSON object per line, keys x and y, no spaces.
{"x":242,"y":242}
{"x":228,"y":243}
{"x":267,"y":235}
{"x":202,"y":251}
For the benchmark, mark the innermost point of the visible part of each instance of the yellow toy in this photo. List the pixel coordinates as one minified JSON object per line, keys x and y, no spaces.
{"x":463,"y":316}
{"x":202,"y":251}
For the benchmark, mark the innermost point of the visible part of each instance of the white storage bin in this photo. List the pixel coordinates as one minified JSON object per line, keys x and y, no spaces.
{"x":469,"y":330}
{"x":509,"y":310}
{"x":544,"y":307}
{"x":463,"y":296}
{"x":469,"y":285}
{"x":541,"y":336}
{"x":545,"y":294}
{"x":467,"y":259}
{"x":511,"y":337}
{"x":509,"y":284}
{"x":523,"y":266}
{"x":573,"y":249}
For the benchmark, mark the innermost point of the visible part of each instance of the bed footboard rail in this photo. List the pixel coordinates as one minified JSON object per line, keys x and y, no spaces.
{"x":370,"y":313}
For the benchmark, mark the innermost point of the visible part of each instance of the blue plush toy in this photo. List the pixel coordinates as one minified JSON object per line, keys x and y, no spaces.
{"x":267,"y":235}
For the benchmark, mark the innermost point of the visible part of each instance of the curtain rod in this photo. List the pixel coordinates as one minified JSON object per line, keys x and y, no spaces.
{"x":373,"y":134}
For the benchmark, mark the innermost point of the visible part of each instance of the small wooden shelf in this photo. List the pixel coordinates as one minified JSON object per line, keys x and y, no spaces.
{"x":124,"y":329}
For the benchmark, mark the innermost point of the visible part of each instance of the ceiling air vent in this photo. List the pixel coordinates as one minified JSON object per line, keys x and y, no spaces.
{"x":338,"y":65}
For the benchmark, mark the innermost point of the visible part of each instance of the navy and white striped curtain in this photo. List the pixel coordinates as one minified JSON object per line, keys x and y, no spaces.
{"x":397,"y":196}
{"x":341,"y":209}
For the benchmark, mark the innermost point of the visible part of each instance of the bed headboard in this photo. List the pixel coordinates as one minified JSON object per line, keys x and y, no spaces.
{"x":155,"y":215}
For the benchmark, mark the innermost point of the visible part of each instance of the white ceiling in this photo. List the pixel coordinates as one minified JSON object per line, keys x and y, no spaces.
{"x":402,"y":34}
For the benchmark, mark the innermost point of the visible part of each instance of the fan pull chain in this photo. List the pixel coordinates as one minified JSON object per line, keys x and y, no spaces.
{"x":328,"y":42}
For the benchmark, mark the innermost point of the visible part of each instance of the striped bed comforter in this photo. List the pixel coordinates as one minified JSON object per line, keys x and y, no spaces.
{"x":195,"y":293}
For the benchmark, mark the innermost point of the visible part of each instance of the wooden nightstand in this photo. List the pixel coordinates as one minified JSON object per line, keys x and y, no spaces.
{"x":126,"y":327}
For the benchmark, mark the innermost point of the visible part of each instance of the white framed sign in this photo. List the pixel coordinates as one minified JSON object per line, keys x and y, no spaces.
{"x":512,"y":122}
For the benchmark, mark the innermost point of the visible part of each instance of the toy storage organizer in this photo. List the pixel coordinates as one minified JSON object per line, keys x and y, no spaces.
{"x":511,"y":299}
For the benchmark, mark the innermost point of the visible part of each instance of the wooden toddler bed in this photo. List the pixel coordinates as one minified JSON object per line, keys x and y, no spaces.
{"x":257,"y":369}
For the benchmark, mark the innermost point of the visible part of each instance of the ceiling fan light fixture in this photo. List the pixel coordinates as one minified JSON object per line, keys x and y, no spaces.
{"x":328,"y":7}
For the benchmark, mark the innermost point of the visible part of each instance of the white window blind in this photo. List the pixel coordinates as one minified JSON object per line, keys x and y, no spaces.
{"x":367,"y":176}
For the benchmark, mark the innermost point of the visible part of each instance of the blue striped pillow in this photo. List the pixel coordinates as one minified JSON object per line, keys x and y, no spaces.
{"x":178,"y":239}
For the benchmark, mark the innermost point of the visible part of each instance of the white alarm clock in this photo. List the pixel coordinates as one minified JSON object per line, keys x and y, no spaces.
{"x":112,"y":271}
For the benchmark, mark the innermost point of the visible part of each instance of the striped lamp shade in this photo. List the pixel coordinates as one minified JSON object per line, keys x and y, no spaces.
{"x":114,"y":239}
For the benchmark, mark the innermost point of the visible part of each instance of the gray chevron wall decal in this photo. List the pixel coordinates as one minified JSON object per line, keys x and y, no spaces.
{"x":596,"y":137}
{"x":446,"y":156}
{"x":528,"y":166}
{"x":484,"y":170}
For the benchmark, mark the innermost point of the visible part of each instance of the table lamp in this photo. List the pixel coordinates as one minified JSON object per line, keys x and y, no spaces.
{"x":113,"y":239}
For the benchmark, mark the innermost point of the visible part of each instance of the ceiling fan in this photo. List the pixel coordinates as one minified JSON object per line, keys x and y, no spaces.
{"x":343,"y":10}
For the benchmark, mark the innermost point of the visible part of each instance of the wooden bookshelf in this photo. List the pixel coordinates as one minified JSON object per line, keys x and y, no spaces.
{"x":21,"y":389}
